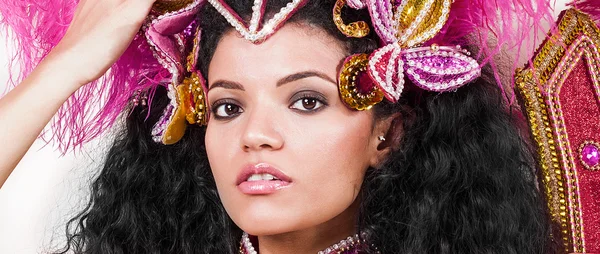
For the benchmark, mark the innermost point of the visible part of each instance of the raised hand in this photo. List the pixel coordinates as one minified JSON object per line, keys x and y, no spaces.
{"x":100,"y":32}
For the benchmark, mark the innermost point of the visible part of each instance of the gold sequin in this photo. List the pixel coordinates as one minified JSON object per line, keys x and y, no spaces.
{"x":191,"y":108}
{"x":177,"y":126}
{"x":348,"y":84}
{"x":420,"y":20}
{"x":356,"y":29}
{"x":195,"y":100}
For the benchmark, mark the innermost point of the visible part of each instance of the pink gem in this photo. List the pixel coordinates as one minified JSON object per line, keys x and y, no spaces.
{"x":590,"y":155}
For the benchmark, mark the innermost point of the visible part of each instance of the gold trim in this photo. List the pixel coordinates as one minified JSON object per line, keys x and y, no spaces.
{"x":194,"y":99}
{"x":570,"y":26}
{"x":562,"y":201}
{"x":552,"y":179}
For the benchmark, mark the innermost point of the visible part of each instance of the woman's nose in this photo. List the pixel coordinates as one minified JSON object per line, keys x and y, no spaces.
{"x":261,"y":130}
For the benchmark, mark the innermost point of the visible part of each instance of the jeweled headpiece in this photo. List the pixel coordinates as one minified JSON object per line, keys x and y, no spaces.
{"x":257,"y":31}
{"x":417,"y":42}
{"x":403,"y":27}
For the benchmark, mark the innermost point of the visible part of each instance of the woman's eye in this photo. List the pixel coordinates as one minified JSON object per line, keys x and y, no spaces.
{"x":227,"y":110}
{"x":307,"y":104}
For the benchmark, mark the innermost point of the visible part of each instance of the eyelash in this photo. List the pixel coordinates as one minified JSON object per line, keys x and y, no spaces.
{"x":302,"y":95}
{"x":224,"y":102}
{"x":298,"y":97}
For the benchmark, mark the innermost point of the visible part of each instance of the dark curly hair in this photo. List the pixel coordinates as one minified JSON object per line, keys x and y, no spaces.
{"x":462,"y":180}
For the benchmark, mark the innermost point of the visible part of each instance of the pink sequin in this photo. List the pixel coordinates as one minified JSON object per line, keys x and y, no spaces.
{"x":581,"y":112}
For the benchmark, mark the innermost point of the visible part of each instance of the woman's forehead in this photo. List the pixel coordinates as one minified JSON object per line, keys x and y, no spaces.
{"x":294,"y":48}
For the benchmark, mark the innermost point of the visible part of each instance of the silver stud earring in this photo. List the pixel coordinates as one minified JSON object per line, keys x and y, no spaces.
{"x":381,"y":138}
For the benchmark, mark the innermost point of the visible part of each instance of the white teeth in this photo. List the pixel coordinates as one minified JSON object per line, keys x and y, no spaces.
{"x":261,"y":177}
{"x":255,"y":177}
{"x":268,"y":177}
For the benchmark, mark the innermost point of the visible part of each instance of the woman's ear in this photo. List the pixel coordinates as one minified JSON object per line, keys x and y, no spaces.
{"x":387,"y":136}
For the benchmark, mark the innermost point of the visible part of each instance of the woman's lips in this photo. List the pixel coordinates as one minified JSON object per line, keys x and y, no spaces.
{"x":261,"y":179}
{"x":262,"y":187}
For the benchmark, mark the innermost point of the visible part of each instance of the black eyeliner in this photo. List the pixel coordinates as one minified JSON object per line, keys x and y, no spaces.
{"x":215,"y":106}
{"x":306,"y":94}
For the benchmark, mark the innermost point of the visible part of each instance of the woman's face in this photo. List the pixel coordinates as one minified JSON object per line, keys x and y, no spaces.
{"x":286,"y":153}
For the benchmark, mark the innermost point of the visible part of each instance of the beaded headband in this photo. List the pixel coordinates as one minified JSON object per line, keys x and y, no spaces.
{"x":252,"y":32}
{"x":415,"y":36}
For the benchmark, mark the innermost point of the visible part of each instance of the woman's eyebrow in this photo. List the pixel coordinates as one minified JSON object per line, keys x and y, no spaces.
{"x":287,"y":79}
{"x":302,"y":75}
{"x":227,"y":85}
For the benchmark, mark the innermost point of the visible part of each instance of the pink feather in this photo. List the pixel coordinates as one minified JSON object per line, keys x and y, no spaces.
{"x":591,"y":7}
{"x":35,"y":27}
{"x":497,"y":26}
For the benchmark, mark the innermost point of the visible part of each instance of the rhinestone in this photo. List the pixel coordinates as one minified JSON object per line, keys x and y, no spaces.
{"x":590,"y":155}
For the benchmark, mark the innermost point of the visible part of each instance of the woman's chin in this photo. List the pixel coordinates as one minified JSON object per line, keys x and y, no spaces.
{"x":267,"y":228}
{"x":260,"y":222}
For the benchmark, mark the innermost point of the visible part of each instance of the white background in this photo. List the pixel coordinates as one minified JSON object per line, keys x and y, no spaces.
{"x":46,"y":189}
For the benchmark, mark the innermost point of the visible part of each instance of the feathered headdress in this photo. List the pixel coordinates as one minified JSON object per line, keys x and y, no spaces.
{"x":419,"y":39}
